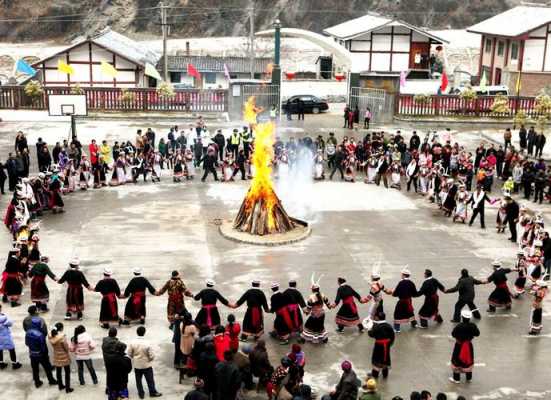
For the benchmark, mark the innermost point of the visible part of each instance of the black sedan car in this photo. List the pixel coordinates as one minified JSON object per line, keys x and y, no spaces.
{"x":310,"y":104}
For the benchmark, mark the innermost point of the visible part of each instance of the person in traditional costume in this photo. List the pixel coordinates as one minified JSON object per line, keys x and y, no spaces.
{"x":460,"y":212}
{"x":539,"y":290}
{"x":39,"y":290}
{"x":384,"y":336}
{"x":12,"y":283}
{"x":477,"y":200}
{"x":501,"y":296}
{"x":283,"y":164}
{"x":395,"y":174}
{"x":227,"y":168}
{"x":348,"y":312}
{"x":110,"y":291}
{"x":314,"y":327}
{"x":412,"y":172}
{"x":56,"y":202}
{"x":178,"y":171}
{"x":319,"y":173}
{"x":376,"y":291}
{"x":177,"y":290}
{"x":405,"y":291}
{"x":190,"y":164}
{"x":463,"y":352}
{"x":84,"y":177}
{"x":135,"y":309}
{"x":424,"y":178}
{"x":429,"y":309}
{"x":520,"y":282}
{"x":296,"y":304}
{"x":283,"y":325}
{"x":350,"y":165}
{"x":75,"y":281}
{"x":501,"y":217}
{"x":156,"y":160}
{"x":208,"y":314}
{"x":449,"y":202}
{"x":372,"y":162}
{"x":253,"y":322}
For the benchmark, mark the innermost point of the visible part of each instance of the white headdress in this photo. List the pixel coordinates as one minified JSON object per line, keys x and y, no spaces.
{"x":315,"y":284}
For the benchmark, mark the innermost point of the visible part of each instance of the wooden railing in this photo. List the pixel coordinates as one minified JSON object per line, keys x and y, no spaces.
{"x":111,"y":99}
{"x":453,"y":105}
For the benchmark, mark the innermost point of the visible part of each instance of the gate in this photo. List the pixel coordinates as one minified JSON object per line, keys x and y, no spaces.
{"x":377,"y":100}
{"x":265,"y":96}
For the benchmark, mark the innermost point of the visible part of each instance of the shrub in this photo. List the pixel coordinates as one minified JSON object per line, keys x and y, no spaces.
{"x":165,"y":90}
{"x":541,"y":123}
{"x":34,"y":89}
{"x":76,"y":89}
{"x":500,"y":105}
{"x":543,"y":104}
{"x":520,"y":118}
{"x":127,"y":96}
{"x":468,"y":95}
{"x":421,"y":99}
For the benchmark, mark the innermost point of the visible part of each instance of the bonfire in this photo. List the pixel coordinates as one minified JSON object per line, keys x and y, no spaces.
{"x":261,"y":212}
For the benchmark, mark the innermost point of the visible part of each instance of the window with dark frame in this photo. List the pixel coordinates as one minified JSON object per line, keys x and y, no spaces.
{"x":175,"y":77}
{"x":210,"y":77}
{"x":500,"y":48}
{"x":514,"y":51}
{"x":488,"y":47}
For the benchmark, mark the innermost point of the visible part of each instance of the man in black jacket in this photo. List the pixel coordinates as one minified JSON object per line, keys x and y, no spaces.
{"x":209,"y":165}
{"x":11,"y":167}
{"x":477,"y":200}
{"x":539,"y":186}
{"x":465,"y":287}
{"x":512,"y":211}
{"x":228,"y":378}
{"x":414,"y":142}
{"x":382,"y":168}
{"x":220,"y":141}
{"x":338,"y":161}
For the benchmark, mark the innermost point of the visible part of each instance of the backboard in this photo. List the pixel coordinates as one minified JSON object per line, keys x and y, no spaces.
{"x":67,"y":104}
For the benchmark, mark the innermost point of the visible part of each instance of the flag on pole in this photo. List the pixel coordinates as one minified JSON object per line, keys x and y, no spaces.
{"x":444,"y":83}
{"x":24,"y":68}
{"x":108,"y":69}
{"x":191,"y":71}
{"x":518,"y":85}
{"x":402,"y":79}
{"x":152,"y":72}
{"x":227,"y":72}
{"x":483,"y":82}
{"x":64,"y":67}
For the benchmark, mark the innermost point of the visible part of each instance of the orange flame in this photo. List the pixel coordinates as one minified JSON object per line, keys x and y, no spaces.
{"x":263,"y":154}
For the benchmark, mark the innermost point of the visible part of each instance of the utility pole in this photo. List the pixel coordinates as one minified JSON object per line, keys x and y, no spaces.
{"x":164,"y":27}
{"x":251,"y":39}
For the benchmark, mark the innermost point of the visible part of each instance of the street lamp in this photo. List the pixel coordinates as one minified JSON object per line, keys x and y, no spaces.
{"x":277,"y":40}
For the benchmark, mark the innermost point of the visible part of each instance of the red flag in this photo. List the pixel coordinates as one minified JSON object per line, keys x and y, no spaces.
{"x":444,"y":84}
{"x":191,"y":71}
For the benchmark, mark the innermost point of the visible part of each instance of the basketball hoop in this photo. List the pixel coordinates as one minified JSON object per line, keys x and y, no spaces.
{"x":68,"y":105}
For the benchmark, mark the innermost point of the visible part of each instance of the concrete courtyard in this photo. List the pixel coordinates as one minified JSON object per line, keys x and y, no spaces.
{"x":166,"y":226}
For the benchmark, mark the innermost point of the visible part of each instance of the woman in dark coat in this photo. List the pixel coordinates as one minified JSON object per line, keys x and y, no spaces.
{"x":117,"y":369}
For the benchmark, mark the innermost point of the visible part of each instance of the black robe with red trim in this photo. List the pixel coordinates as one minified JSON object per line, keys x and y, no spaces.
{"x":283,"y":325}
{"x":348,"y":313}
{"x":403,"y":312}
{"x":135,"y":291}
{"x":253,"y":322}
{"x":429,"y":289}
{"x":208,"y":314}
{"x":500,"y":296}
{"x":384,"y":336}
{"x":75,"y":281}
{"x":296,"y":304}
{"x":463,"y":351}
{"x":109,"y":311}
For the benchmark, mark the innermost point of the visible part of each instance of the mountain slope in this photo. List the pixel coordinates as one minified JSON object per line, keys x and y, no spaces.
{"x":22,"y":20}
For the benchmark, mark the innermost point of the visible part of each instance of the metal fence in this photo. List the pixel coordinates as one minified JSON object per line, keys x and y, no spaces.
{"x":265,"y":96}
{"x":454,"y":106}
{"x":379,"y":102}
{"x":114,"y":99}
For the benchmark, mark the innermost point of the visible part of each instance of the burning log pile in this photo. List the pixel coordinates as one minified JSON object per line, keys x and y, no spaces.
{"x":261,"y":212}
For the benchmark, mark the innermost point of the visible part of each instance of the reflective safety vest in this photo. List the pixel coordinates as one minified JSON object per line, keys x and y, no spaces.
{"x":235,"y":139}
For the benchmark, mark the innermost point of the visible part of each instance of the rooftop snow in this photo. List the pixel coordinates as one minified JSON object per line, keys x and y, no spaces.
{"x":514,"y":22}
{"x":369,"y":22}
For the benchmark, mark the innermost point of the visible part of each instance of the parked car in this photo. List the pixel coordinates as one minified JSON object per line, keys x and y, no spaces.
{"x":312,"y":104}
{"x":487,"y":91}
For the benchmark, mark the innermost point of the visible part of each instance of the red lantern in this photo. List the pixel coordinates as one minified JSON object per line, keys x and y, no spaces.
{"x":340,"y":77}
{"x":290,"y":75}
